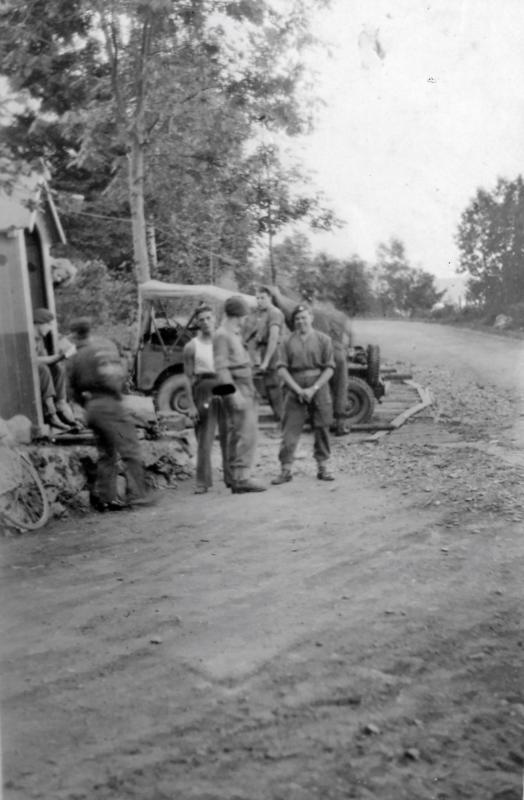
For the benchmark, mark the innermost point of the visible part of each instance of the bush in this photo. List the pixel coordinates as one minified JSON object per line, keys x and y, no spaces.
{"x":107,"y":298}
{"x":516,"y":312}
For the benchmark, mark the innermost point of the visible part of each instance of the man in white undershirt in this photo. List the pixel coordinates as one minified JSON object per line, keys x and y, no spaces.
{"x":207,"y":409}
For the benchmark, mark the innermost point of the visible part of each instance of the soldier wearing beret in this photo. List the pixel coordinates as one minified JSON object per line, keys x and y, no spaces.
{"x":306,"y":364}
{"x":235,"y":383}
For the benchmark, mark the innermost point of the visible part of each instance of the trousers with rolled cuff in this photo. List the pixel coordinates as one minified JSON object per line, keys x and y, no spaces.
{"x":211,"y":415}
{"x":242,"y":428}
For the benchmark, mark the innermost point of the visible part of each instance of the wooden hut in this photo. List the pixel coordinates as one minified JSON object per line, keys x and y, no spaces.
{"x":29,"y":226}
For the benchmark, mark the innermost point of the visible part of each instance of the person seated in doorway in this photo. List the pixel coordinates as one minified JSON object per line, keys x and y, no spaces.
{"x":52,"y":374}
{"x":268,"y":336}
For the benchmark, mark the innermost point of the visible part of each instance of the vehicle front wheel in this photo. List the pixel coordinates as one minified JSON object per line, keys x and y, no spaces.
{"x":172,"y":395}
{"x":361,"y":401}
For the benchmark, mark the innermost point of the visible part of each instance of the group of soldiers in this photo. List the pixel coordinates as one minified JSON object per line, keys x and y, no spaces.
{"x":296,"y":368}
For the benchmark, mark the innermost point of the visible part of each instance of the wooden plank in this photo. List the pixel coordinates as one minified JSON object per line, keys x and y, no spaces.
{"x":424,"y":400}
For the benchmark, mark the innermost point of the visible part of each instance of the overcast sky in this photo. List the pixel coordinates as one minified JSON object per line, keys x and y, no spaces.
{"x":425,"y":103}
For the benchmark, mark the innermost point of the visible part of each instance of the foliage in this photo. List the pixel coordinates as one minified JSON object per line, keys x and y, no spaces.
{"x":274,"y":204}
{"x":104,"y":297}
{"x":293,"y":258}
{"x":344,"y":283}
{"x":354,"y":294}
{"x":398,"y":285}
{"x":516,"y":312}
{"x":491,"y":242}
{"x":146,"y":110}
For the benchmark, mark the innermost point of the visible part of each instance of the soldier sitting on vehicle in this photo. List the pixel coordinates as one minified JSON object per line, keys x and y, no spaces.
{"x":268,"y":335}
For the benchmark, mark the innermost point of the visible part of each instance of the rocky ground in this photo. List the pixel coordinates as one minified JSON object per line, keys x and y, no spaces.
{"x":361,"y":639}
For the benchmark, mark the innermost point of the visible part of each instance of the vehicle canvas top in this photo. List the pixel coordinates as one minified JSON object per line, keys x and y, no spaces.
{"x":167,"y":323}
{"x":182,"y":299}
{"x":155,"y":290}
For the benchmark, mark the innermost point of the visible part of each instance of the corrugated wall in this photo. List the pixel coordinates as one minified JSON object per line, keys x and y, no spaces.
{"x":19,"y":388}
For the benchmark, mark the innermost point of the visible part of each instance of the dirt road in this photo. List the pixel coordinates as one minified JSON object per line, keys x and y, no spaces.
{"x":358,"y":639}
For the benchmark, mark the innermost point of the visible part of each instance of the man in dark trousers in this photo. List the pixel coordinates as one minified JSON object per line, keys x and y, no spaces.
{"x":306,"y":364}
{"x":235,"y":383}
{"x":206,"y":408}
{"x":97,"y":378}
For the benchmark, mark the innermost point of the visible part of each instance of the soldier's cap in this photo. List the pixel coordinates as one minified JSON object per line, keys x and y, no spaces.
{"x":298,"y":310}
{"x":42,"y":315}
{"x":236,"y":306}
{"x":81,"y":326}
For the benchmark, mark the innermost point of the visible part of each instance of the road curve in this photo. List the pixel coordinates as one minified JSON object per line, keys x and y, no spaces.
{"x":493,"y":359}
{"x":484,"y":357}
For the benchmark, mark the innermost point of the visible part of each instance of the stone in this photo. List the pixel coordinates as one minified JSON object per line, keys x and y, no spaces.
{"x":371,"y":729}
{"x":67,"y":472}
{"x":20,"y":429}
{"x":502,"y":321}
{"x":6,"y":437}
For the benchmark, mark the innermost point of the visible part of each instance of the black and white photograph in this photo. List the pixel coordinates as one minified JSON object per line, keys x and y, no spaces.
{"x":261,"y":399}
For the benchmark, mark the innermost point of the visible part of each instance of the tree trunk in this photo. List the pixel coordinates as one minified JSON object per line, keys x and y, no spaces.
{"x":151,"y":245}
{"x":136,"y":200}
{"x":272,"y":267}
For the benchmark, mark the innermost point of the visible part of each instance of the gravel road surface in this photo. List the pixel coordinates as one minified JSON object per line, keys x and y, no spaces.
{"x":361,"y":639}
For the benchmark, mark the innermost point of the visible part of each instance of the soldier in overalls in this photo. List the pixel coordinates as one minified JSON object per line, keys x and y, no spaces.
{"x":206,"y":408}
{"x":306,"y":364}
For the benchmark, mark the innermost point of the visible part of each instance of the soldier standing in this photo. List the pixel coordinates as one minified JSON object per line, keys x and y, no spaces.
{"x":306,"y":364}
{"x":235,"y":383}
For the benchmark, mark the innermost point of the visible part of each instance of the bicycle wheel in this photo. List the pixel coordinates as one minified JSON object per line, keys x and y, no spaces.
{"x":25,"y":505}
